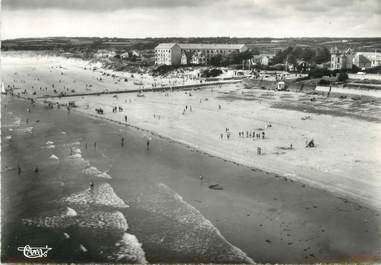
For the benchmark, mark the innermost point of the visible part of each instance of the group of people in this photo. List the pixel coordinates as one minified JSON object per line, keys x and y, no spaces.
{"x":187,"y":108}
{"x":252,"y":134}
{"x":116,"y":109}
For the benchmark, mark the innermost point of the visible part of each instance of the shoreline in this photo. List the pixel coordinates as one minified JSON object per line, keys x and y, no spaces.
{"x":252,"y":204}
{"x":314,"y":184}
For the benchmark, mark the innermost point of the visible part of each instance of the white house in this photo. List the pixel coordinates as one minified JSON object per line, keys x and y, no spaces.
{"x":198,"y":58}
{"x":367,"y":59}
{"x":341,"y":59}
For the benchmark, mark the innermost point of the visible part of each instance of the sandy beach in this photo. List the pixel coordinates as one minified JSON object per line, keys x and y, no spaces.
{"x":280,"y":214}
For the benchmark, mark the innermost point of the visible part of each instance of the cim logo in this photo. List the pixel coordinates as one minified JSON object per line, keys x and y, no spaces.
{"x":34,"y":252}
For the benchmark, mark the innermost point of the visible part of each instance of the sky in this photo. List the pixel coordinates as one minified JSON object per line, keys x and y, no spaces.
{"x":190,"y":18}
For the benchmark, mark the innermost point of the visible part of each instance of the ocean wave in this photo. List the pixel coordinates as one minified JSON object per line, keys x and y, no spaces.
{"x":25,"y":130}
{"x":75,"y":156}
{"x":76,"y":150}
{"x":102,"y":195}
{"x":192,"y":234}
{"x":93,"y":171}
{"x":14,"y":122}
{"x":70,"y":212}
{"x":72,"y":144}
{"x":53,"y":157}
{"x":76,"y":161}
{"x":128,"y":250}
{"x":96,"y":222}
{"x":50,"y":221}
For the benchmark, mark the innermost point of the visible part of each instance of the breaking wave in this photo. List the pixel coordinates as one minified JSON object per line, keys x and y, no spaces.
{"x":128,"y":249}
{"x":93,"y":171}
{"x":95,"y":222}
{"x":102,"y":195}
{"x":192,"y":234}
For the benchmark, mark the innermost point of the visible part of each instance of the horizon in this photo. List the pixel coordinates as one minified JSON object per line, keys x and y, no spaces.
{"x":190,"y":37}
{"x":171,"y":18}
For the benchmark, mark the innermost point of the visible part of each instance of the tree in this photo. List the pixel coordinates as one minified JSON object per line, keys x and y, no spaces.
{"x":341,"y":77}
{"x":216,"y":60}
{"x":322,"y":55}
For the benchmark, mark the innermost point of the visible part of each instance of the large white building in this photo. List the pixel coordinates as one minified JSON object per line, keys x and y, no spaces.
{"x":167,"y":54}
{"x":164,"y":51}
{"x":367,"y":59}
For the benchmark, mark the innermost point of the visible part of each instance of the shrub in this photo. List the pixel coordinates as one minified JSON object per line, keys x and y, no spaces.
{"x":211,"y":72}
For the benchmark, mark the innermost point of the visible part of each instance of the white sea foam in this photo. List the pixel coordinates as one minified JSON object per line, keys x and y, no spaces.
{"x":129,"y":250}
{"x":82,"y":247}
{"x":76,"y":150}
{"x":9,"y":137}
{"x":103,"y":221}
{"x":76,"y":161}
{"x":50,"y":221}
{"x":52,"y":146}
{"x":49,"y":142}
{"x":71,"y":212}
{"x":25,"y":130}
{"x":102,"y":194}
{"x":66,"y":235}
{"x":103,"y":175}
{"x":199,"y":236}
{"x":93,"y":221}
{"x":93,"y":171}
{"x":53,"y":157}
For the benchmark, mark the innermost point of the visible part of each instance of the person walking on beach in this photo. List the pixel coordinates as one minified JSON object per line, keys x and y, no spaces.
{"x":147,"y":144}
{"x":122,"y":142}
{"x":201,"y":179}
{"x":95,"y":145}
{"x":36,"y":170}
{"x":91,"y":186}
{"x":18,"y":170}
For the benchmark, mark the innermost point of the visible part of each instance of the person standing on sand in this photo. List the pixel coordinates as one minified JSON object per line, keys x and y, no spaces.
{"x":147,"y":144}
{"x":201,"y":179}
{"x":91,"y":186}
{"x":95,"y":145}
{"x":122,"y":142}
{"x":18,"y":170}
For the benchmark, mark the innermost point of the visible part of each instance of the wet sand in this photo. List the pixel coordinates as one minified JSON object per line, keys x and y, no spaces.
{"x":346,"y":160}
{"x":271,"y":218}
